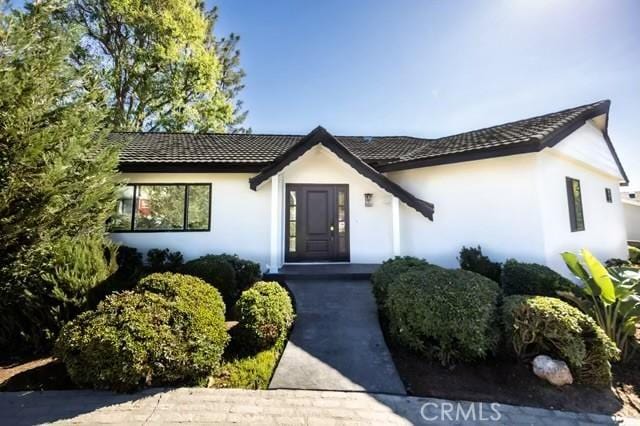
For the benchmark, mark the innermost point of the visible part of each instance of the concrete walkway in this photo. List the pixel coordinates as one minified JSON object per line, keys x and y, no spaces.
{"x":336,"y":343}
{"x":229,"y":406}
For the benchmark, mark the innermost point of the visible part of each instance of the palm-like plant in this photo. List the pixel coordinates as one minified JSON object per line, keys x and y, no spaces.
{"x":611,"y":296}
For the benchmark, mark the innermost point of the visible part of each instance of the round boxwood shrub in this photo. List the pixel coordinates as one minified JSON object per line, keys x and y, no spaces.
{"x":247,"y":272}
{"x":634,"y":255}
{"x":217,"y":272}
{"x":445,"y":314}
{"x":389,"y":271}
{"x":264,"y":313}
{"x":170,"y":330}
{"x":531,"y":279}
{"x":537,"y":325}
{"x":472,"y":259}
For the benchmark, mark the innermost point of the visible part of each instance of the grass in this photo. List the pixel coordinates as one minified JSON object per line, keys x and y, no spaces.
{"x":249,"y":371}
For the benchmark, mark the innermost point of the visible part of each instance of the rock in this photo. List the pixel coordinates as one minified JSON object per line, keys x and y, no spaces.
{"x":554,"y":371}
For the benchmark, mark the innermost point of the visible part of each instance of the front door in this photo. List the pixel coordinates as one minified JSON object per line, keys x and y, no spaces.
{"x":317,"y":223}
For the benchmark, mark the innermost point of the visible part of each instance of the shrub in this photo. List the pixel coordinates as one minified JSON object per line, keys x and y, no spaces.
{"x":264,"y":314}
{"x":472,"y":259}
{"x":164,"y":260}
{"x":634,"y":255}
{"x":536,"y":324}
{"x":531,"y":279}
{"x":389,"y":271}
{"x":446,"y":314}
{"x":247,"y":272}
{"x":217,"y":272}
{"x":130,"y":269}
{"x":170,"y":330}
{"x":615,"y":262}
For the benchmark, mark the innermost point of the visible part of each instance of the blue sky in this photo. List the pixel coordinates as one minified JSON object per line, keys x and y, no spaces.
{"x":432,"y":68}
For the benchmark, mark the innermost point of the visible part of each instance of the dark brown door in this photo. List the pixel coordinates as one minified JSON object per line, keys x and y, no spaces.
{"x":317,"y":222}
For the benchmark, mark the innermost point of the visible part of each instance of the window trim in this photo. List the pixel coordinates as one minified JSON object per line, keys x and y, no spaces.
{"x":573,"y":218}
{"x":186,"y":208}
{"x":608,"y":195}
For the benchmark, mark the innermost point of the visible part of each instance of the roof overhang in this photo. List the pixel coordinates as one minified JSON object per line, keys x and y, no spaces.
{"x":319,"y":136}
{"x":531,"y":145}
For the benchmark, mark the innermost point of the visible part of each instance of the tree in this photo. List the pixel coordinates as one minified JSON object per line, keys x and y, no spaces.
{"x":56,"y":189}
{"x":160,"y":63}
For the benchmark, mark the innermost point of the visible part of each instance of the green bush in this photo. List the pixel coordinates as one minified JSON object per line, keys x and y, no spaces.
{"x":164,"y":260}
{"x":247,"y":272}
{"x":217,"y":272}
{"x":446,"y":314}
{"x":389,"y":271}
{"x":634,"y":255}
{"x":531,"y":279}
{"x":130,"y":269}
{"x":545,"y":325}
{"x":264,"y":313}
{"x":472,"y":259}
{"x":171,"y":330}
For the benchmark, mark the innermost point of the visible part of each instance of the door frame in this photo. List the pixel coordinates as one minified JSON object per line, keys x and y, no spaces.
{"x":295,"y":258}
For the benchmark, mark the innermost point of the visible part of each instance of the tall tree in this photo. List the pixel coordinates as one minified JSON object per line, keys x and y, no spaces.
{"x":231,"y":81}
{"x":56,"y":189}
{"x":159,"y":63}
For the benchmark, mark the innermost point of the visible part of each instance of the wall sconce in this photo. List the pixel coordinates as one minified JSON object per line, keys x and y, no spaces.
{"x":368,"y":200}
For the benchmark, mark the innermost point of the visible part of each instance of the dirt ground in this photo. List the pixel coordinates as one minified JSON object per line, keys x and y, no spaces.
{"x":512,"y":382}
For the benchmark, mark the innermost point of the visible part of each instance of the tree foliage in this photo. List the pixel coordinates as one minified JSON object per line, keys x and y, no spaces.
{"x":56,"y":189}
{"x":160,"y":63}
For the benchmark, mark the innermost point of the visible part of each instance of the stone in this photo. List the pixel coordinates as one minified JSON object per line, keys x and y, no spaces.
{"x":554,"y":371}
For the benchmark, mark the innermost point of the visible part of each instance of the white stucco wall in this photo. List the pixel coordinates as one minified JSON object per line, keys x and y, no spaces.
{"x":370,"y":227}
{"x":604,"y":234}
{"x":490,"y":202}
{"x":632,"y":219}
{"x":239,"y":218}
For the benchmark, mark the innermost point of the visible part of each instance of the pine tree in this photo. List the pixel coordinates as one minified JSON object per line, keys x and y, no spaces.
{"x":57,"y":189}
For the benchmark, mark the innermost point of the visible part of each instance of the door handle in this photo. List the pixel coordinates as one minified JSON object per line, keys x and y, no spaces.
{"x":331,"y":228}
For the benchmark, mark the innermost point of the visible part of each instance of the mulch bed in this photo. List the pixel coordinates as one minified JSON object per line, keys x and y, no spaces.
{"x":512,"y":382}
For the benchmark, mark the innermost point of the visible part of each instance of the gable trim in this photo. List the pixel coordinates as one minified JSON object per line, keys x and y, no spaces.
{"x":319,"y":136}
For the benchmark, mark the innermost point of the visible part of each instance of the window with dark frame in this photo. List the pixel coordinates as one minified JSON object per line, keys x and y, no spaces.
{"x":163,"y":208}
{"x":574,"y":195}
{"x":607,"y":194}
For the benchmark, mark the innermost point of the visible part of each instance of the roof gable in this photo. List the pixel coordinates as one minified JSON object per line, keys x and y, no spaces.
{"x":319,"y":136}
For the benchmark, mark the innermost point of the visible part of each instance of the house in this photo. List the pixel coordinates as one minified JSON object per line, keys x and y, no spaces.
{"x":631,"y":208}
{"x":529,"y":189}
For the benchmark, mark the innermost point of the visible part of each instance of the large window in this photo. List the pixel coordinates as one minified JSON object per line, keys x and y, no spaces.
{"x":574,"y":194}
{"x":163,"y":207}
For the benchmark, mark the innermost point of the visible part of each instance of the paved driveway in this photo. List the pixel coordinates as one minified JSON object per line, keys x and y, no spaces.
{"x":336,"y":343}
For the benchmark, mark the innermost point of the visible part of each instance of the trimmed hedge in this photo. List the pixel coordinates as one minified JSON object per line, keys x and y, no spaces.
{"x":228,"y":273}
{"x":545,"y":325}
{"x":446,"y":314}
{"x":171,"y":330}
{"x":472,"y":259}
{"x":218,"y":273}
{"x":389,"y":271}
{"x":264,"y":314}
{"x":531,"y":279}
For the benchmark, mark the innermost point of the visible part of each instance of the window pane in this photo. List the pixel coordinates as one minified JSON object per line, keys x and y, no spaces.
{"x":121,"y":220}
{"x":160,"y":207}
{"x":578,"y":203}
{"x":292,"y":198}
{"x":292,"y":229}
{"x":292,"y":213}
{"x":198,"y":211}
{"x":340,"y":212}
{"x":341,"y":227}
{"x":341,"y":198}
{"x":292,"y":245}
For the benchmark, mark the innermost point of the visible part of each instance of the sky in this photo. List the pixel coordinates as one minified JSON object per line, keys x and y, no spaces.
{"x":435,"y":68}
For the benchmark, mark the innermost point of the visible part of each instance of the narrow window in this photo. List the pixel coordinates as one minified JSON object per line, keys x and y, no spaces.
{"x":574,"y":195}
{"x":292,"y":221}
{"x":607,"y":194}
{"x":163,"y":207}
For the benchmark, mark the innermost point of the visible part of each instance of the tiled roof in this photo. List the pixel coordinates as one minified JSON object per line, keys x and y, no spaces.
{"x":264,"y":149}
